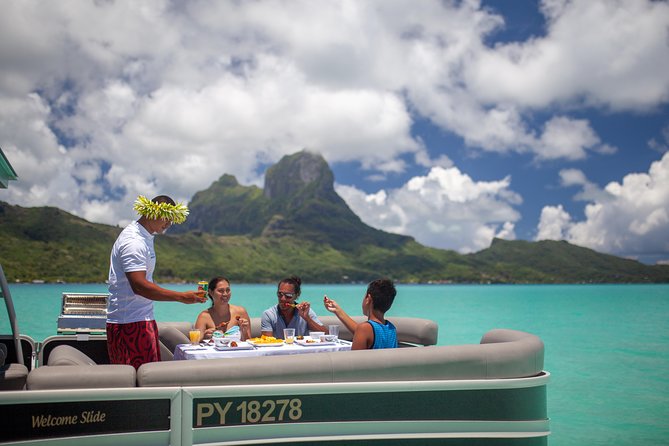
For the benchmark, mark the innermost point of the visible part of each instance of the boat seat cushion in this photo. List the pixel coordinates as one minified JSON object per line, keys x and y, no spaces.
{"x":13,"y":376}
{"x":513,"y":354}
{"x":170,"y":337}
{"x":50,"y":377}
{"x":410,"y":330}
{"x":67,"y":355}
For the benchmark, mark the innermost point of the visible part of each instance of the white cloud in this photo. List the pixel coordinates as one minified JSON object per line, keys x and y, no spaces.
{"x":630,"y":218}
{"x":553,"y":223}
{"x":444,"y":209}
{"x":589,"y":192}
{"x":566,"y":138}
{"x":606,"y":53}
{"x":102,"y":101}
{"x":662,"y":145}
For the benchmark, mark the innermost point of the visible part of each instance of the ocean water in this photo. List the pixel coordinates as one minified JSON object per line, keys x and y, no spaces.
{"x":607,"y":346}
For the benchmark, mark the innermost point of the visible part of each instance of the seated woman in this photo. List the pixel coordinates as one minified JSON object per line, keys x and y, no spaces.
{"x":222,"y":315}
{"x":288,"y":314}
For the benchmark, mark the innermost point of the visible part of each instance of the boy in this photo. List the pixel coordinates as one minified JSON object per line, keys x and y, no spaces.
{"x":377,"y":332}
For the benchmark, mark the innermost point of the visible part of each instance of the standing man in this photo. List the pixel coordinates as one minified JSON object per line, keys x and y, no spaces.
{"x":132,"y":332}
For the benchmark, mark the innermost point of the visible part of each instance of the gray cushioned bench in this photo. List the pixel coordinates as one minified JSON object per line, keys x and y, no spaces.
{"x":13,"y":376}
{"x":501,"y":354}
{"x":68,"y":368}
{"x":410,"y":332}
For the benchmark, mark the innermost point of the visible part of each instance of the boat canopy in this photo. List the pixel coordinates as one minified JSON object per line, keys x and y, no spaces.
{"x":7,"y":172}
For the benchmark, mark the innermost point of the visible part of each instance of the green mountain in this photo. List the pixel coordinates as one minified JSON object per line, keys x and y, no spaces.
{"x":298,"y":200}
{"x":46,"y":243}
{"x":296,"y":224}
{"x":549,"y":261}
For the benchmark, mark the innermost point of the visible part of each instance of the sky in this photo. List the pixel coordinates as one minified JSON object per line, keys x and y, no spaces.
{"x":453,"y":122}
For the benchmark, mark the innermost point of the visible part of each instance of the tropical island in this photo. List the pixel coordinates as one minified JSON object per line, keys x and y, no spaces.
{"x":296,"y":224}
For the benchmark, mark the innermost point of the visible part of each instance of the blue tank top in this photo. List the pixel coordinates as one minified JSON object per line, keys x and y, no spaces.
{"x":385,"y":336}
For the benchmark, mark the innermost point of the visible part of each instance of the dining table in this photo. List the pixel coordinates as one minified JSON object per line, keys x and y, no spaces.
{"x":209,"y":351}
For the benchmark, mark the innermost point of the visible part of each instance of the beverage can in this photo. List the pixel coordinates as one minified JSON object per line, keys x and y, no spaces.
{"x":202,"y":286}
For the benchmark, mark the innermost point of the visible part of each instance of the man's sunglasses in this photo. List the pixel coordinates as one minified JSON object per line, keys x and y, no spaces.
{"x":282,"y":294}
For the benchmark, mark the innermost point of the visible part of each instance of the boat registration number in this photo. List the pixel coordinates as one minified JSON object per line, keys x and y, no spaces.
{"x":248,"y":411}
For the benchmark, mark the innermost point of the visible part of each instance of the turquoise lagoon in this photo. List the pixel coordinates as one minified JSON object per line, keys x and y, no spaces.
{"x":607,"y":346}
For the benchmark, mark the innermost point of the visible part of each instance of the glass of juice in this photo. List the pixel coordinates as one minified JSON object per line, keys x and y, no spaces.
{"x":289,"y":335}
{"x":194,"y":336}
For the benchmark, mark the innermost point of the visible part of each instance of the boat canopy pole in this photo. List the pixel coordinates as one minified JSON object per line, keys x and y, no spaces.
{"x":5,"y":294}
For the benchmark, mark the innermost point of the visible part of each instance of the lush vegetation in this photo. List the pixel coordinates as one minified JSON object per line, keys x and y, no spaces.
{"x":297,"y":224}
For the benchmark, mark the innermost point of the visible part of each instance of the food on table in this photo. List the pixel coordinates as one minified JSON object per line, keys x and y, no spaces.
{"x":233,"y":344}
{"x":265,"y":340}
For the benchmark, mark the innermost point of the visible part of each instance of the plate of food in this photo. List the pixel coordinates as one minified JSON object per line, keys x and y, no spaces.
{"x":308,"y":341}
{"x":265,"y":341}
{"x":234,"y":345}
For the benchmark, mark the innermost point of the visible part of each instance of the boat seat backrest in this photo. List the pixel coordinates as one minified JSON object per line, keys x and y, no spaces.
{"x":68,"y":368}
{"x":513,"y":354}
{"x":170,"y":336}
{"x":414,"y":331}
{"x":68,"y":355}
{"x":50,"y":377}
{"x":13,"y":376}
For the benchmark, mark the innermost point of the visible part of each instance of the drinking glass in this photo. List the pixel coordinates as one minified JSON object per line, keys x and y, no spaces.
{"x":289,"y":335}
{"x":334,"y":331}
{"x":194,"y":336}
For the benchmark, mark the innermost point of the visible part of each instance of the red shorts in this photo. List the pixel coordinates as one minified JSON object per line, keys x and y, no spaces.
{"x":135,"y":343}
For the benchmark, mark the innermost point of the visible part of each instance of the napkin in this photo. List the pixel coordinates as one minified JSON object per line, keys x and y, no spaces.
{"x":234,"y":330}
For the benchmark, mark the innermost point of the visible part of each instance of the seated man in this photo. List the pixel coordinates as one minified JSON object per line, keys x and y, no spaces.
{"x":288,"y":314}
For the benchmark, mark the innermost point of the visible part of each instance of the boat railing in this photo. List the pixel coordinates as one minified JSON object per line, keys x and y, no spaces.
{"x":7,"y":297}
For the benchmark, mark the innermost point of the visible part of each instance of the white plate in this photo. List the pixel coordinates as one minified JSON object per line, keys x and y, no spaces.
{"x":273,"y":344}
{"x":240,"y":346}
{"x":312,"y":343}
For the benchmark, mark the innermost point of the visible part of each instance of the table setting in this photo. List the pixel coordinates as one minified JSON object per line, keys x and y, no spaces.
{"x":234,"y":347}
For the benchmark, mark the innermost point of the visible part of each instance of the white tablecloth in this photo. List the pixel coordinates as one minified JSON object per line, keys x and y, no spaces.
{"x":189,"y":351}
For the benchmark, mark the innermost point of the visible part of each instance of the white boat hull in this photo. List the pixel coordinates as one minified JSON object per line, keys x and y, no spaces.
{"x":498,"y":411}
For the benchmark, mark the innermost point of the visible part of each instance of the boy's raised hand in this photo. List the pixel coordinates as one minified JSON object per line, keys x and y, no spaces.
{"x":330,"y":305}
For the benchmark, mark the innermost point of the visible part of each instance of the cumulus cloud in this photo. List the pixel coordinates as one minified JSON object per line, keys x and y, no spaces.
{"x":601,"y":52}
{"x":589,"y":191}
{"x":102,"y":101}
{"x":661,"y":145}
{"x":553,"y":223}
{"x":627,"y":218}
{"x":566,"y":138}
{"x":444,"y":209}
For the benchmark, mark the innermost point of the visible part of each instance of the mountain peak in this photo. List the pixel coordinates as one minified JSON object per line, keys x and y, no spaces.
{"x":293,"y":173}
{"x":298,"y":200}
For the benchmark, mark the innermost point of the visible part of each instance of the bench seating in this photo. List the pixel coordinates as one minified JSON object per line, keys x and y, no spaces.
{"x":501,"y":354}
{"x":68,"y":368}
{"x":12,"y":376}
{"x":410,"y":332}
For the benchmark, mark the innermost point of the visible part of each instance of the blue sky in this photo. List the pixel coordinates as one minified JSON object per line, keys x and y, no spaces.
{"x":450,"y":121}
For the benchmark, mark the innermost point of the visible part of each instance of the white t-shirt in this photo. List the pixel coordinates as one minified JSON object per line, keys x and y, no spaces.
{"x":132,"y":251}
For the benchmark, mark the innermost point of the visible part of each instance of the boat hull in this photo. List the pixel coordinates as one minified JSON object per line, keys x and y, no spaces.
{"x":495,"y":411}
